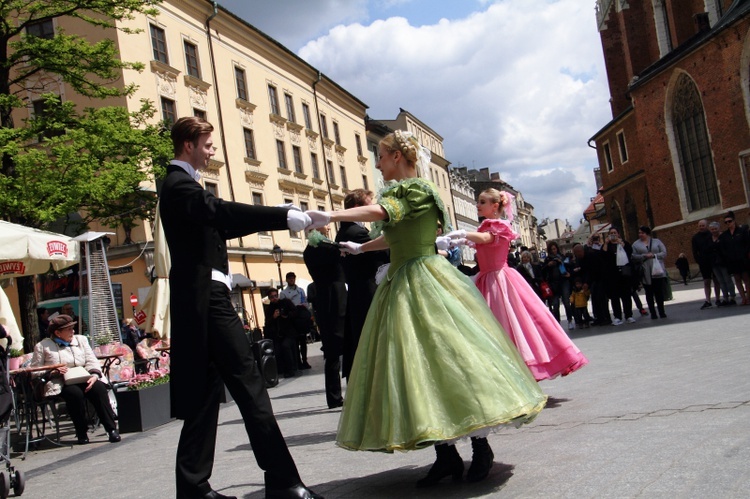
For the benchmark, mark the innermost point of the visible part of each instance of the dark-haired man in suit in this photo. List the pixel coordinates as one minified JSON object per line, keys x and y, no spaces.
{"x":197,"y":225}
{"x":360,"y":277}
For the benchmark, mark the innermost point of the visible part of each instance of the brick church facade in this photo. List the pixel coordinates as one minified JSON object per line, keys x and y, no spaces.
{"x":678,"y":148}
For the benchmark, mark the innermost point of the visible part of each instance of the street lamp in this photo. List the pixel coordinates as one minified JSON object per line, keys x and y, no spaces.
{"x":278,"y":257}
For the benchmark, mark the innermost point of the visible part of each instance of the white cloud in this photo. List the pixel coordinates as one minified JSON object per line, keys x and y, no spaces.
{"x":518,"y":88}
{"x":294,"y":22}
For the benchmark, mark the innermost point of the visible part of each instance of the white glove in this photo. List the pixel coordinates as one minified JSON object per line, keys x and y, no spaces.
{"x":350,"y":248}
{"x":457,"y":234}
{"x":455,"y":243}
{"x":297,"y":221}
{"x":319,"y":218}
{"x":443,"y":243}
{"x":291,"y":206}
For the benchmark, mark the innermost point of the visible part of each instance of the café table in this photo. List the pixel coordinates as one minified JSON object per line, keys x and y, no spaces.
{"x":31,"y":414}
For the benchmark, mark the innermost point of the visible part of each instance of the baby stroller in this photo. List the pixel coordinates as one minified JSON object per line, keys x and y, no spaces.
{"x":10,"y":478}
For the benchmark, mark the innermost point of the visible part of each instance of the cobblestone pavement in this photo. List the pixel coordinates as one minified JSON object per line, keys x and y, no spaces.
{"x":662,"y":410}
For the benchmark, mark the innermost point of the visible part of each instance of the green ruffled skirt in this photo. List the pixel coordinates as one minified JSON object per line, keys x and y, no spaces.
{"x":432,"y":364}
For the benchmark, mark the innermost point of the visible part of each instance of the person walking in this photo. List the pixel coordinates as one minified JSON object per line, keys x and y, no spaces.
{"x":433,"y":365}
{"x":650,"y":253}
{"x":197,"y":225}
{"x":683,"y":267}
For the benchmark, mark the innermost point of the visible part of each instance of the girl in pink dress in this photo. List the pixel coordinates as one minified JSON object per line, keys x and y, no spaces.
{"x":543,"y":344}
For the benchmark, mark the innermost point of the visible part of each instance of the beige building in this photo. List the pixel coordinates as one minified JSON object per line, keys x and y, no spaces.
{"x":434,"y":142}
{"x":285,"y":132}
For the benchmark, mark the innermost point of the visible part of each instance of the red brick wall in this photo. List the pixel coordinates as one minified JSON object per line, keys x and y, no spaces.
{"x":714,"y":67}
{"x":682,"y":19}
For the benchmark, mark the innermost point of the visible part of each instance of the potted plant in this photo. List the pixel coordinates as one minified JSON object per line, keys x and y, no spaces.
{"x":145,"y":402}
{"x":14,"y":360}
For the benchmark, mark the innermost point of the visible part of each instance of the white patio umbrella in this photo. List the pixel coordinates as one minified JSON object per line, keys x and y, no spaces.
{"x":27,"y":251}
{"x":156,"y":304}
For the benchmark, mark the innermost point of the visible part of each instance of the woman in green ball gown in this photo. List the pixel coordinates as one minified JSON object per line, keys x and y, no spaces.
{"x":433,"y":364}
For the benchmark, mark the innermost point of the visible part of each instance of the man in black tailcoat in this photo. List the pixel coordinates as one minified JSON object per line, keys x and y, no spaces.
{"x":208,"y":340}
{"x":360,"y":277}
{"x":324,"y":264}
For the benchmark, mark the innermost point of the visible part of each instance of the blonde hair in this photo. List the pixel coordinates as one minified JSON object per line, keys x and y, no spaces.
{"x":396,"y":141}
{"x":495,"y":196}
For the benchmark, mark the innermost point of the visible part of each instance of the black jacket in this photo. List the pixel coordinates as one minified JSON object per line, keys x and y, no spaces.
{"x":196,"y":226}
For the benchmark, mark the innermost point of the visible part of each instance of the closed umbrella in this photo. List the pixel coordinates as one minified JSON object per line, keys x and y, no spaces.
{"x":156,"y":304}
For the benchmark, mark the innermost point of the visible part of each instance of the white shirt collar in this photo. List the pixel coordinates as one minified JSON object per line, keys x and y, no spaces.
{"x":188,"y":168}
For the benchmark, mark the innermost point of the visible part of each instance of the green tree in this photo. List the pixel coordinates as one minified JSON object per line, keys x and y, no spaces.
{"x":62,"y":161}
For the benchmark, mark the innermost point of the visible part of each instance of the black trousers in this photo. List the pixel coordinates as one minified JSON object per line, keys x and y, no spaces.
{"x":333,"y":382}
{"x":231,"y":359}
{"x":619,"y":293}
{"x":655,"y":293}
{"x":75,"y":399}
{"x":599,"y":304}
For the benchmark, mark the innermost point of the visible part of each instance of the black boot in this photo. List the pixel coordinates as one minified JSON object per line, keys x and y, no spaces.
{"x":448,"y":462}
{"x":481,"y":461}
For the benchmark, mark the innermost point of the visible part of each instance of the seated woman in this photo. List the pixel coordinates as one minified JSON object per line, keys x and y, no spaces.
{"x":64,"y":347}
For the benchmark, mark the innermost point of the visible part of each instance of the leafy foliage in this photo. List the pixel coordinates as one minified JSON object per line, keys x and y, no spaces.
{"x":94,"y":163}
{"x":64,"y":161}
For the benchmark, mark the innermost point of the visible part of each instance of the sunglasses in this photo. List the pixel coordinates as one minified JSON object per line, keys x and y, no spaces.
{"x":728,"y":221}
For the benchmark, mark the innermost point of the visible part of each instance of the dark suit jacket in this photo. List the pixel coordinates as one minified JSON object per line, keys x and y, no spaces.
{"x":324,"y":265}
{"x":360,"y":277}
{"x":196,"y":226}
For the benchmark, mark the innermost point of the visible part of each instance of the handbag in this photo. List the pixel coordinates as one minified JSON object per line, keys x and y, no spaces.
{"x":546,"y":290}
{"x":622,"y":256}
{"x":657,"y":270}
{"x":75,"y":375}
{"x":626,"y":270}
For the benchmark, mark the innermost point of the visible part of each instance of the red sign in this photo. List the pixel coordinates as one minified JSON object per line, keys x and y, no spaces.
{"x":134,"y":300}
{"x":57,"y":248}
{"x":140,"y":317}
{"x":12,"y":268}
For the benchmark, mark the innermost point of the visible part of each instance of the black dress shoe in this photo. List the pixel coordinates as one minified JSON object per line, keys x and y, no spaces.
{"x":336,"y":405}
{"x":215,"y":495}
{"x":83,"y":440}
{"x":114,"y":436}
{"x":298,"y":491}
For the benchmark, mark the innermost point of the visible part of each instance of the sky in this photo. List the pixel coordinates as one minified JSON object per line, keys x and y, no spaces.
{"x":516,"y":86}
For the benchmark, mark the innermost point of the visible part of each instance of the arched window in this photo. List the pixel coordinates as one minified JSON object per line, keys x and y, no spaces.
{"x":694,"y":151}
{"x":630,"y":227}
{"x":615,"y":217}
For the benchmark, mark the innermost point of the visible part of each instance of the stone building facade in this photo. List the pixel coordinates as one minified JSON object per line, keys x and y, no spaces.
{"x":678,"y":146}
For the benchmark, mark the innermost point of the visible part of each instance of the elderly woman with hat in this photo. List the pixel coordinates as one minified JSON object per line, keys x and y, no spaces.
{"x":63,"y":346}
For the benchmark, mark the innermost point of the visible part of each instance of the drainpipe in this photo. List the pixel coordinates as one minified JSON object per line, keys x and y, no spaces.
{"x":222,"y":135}
{"x":322,"y":143}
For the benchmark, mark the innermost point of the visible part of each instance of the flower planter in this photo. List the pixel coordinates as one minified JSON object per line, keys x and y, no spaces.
{"x":140,"y":410}
{"x":14,"y":363}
